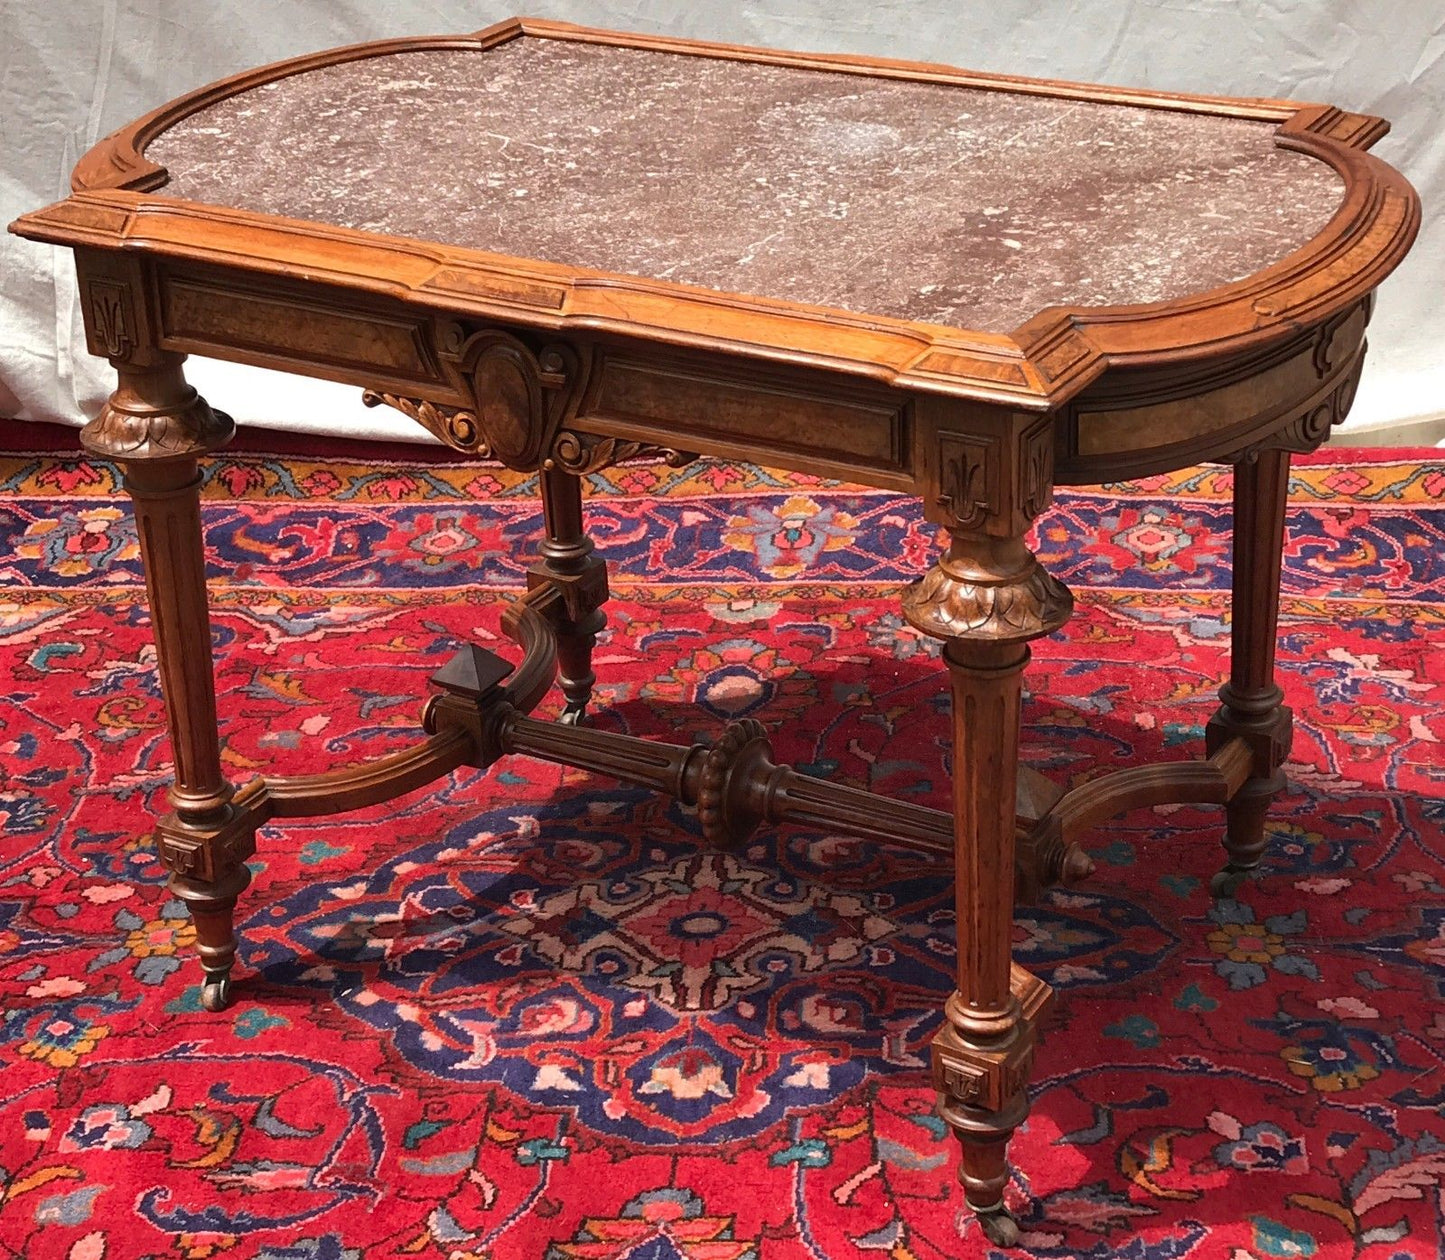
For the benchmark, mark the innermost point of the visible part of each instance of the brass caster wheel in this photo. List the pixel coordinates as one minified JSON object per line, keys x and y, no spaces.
{"x":216,"y":991}
{"x":1227,"y":882}
{"x":1000,"y":1227}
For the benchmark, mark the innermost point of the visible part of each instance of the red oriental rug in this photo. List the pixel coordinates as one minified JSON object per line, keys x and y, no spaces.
{"x":524,"y":1016}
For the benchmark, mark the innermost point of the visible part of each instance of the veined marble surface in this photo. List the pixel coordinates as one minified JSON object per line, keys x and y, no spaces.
{"x":948,"y":205}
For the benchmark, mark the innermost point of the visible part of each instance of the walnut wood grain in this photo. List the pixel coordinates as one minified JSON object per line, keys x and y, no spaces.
{"x":1253,"y":708}
{"x":1042,"y":363}
{"x":559,"y":369}
{"x":569,"y":564}
{"x":355,"y":787}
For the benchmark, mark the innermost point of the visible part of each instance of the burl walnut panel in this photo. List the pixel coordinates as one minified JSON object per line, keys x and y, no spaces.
{"x":1039,"y":282}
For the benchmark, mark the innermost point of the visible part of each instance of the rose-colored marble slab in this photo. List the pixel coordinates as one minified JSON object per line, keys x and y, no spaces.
{"x":920,"y":201}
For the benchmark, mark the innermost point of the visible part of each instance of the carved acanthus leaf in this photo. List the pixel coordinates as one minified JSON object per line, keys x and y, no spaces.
{"x":948,"y":607}
{"x":130,"y":428}
{"x":455,"y":426}
{"x":583,"y":453}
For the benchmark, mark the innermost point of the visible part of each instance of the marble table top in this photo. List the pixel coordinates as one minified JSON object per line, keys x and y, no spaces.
{"x":945,"y":204}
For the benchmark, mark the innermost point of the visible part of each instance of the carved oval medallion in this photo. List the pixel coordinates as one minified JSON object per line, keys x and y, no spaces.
{"x":509,"y":401}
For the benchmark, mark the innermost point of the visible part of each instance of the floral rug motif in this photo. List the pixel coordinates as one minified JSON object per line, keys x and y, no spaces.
{"x":523,"y":1014}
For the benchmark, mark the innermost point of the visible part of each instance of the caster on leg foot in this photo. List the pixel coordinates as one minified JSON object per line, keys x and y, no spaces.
{"x":1228,"y":882}
{"x":216,"y":990}
{"x":574,"y":714}
{"x":999,"y":1226}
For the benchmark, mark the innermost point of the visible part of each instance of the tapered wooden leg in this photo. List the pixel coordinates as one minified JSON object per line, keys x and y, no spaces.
{"x":156,"y":425}
{"x":1252,"y":702}
{"x":986,"y":599}
{"x":569,"y":560}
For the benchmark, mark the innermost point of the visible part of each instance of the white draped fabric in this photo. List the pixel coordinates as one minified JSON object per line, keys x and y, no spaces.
{"x":71,"y":72}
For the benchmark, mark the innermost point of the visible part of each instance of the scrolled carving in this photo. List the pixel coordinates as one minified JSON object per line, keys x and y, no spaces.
{"x":947,"y":606}
{"x":455,"y":426}
{"x":581,"y":453}
{"x":521,"y":396}
{"x":1311,"y":427}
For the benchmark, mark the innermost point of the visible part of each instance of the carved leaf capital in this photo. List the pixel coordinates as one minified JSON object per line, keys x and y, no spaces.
{"x":946,"y":606}
{"x":156,"y":415}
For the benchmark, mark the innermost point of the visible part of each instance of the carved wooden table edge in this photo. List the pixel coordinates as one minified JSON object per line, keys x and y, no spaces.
{"x":1041,"y":365}
{"x":561,"y":371}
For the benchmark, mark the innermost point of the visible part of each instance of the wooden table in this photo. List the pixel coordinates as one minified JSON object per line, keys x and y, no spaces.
{"x":560,"y":248}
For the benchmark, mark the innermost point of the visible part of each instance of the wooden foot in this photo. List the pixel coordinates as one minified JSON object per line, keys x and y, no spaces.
{"x":574,"y":664}
{"x":1252,"y":707}
{"x":213,"y":907}
{"x":1245,"y":838}
{"x":569,"y":563}
{"x":983,"y":1171}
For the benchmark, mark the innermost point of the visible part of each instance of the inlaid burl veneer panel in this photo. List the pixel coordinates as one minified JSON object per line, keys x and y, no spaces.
{"x":921,"y":201}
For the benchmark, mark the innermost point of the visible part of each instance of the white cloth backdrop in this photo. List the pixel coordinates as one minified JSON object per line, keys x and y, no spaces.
{"x":73,"y":70}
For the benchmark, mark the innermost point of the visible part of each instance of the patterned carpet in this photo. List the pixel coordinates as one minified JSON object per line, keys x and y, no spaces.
{"x":524,"y":1015}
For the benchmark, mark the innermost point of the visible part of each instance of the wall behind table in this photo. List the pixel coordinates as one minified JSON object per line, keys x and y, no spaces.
{"x":71,"y":72}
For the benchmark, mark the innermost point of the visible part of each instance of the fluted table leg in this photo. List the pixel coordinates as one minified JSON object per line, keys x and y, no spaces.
{"x":1252,"y":705}
{"x":156,"y":425}
{"x":986,"y":599}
